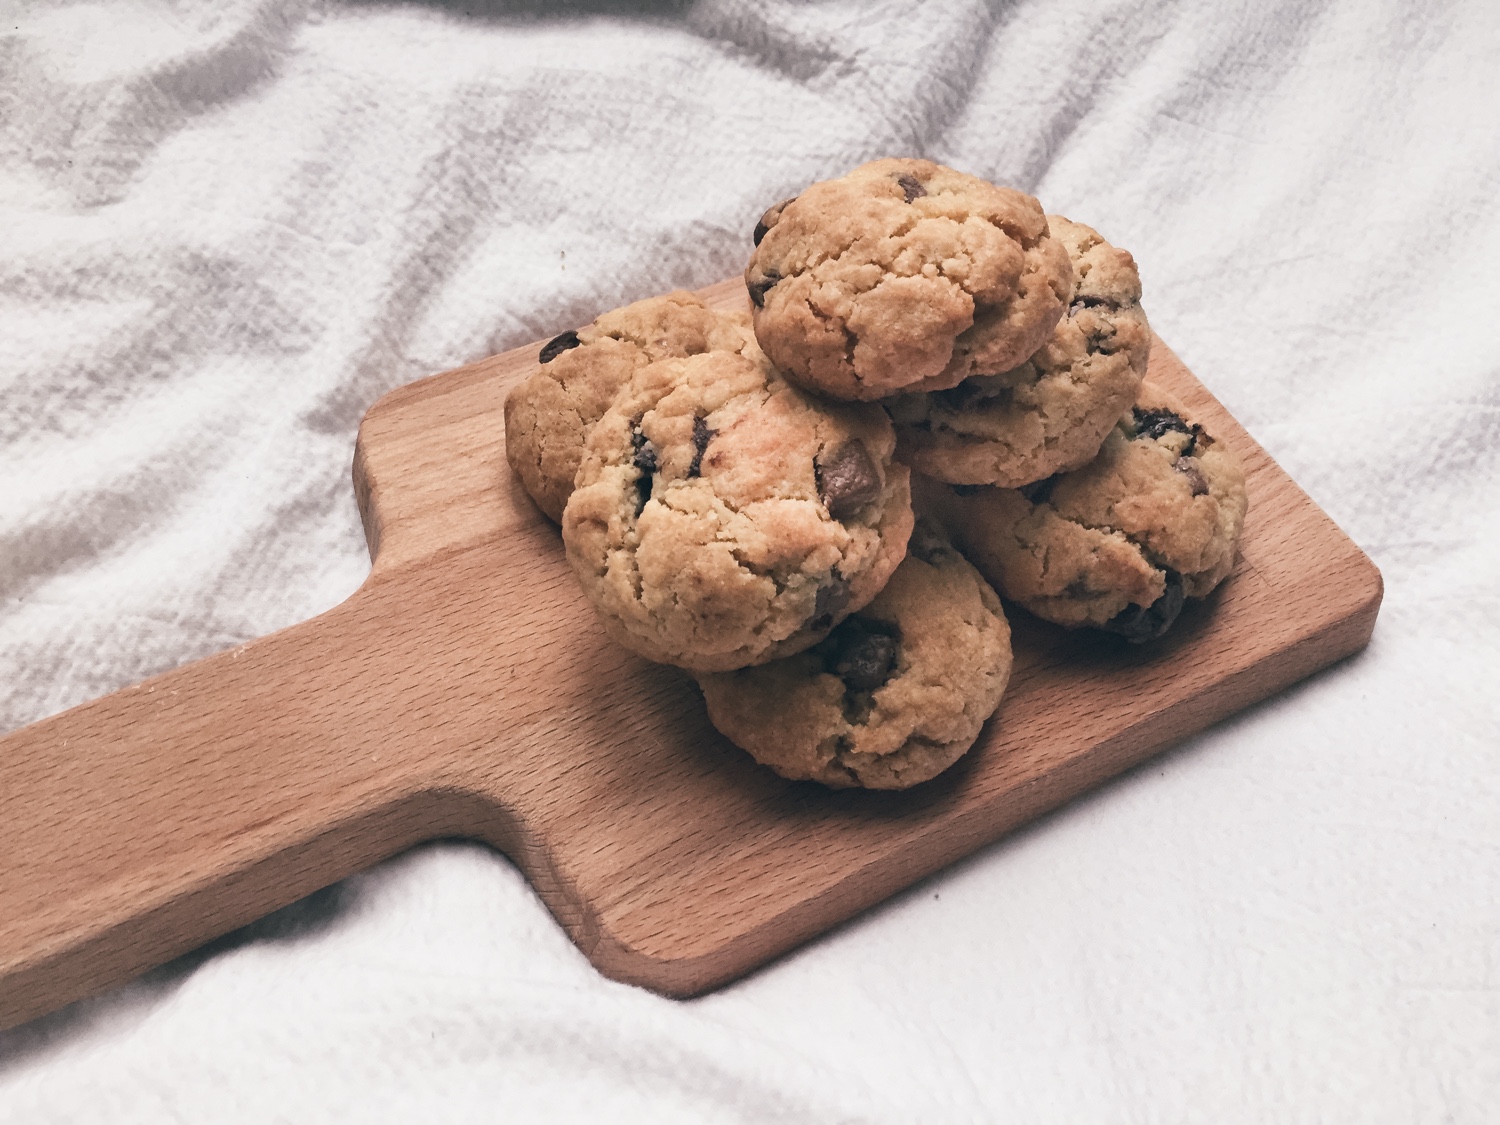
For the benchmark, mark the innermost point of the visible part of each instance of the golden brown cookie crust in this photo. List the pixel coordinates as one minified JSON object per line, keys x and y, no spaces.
{"x":549,"y":415}
{"x":904,"y":275}
{"x":892,"y":697}
{"x":1117,"y":544}
{"x":1051,"y":413}
{"x":722,"y":518}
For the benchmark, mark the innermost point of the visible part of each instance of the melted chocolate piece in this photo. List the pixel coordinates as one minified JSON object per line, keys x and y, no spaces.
{"x":911,"y":187}
{"x":769,"y":220}
{"x":831,"y":600}
{"x":643,"y":459}
{"x":1138,"y":624}
{"x":864,"y":653}
{"x":562,"y":342}
{"x":848,"y":480}
{"x":1153,"y":424}
{"x":702,"y":435}
{"x":1197,"y":482}
{"x":967,"y":489}
{"x":759,"y":289}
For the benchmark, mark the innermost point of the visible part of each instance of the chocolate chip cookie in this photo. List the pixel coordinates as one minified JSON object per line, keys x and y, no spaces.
{"x":893,"y":696}
{"x":904,"y":275}
{"x":723,"y":518}
{"x":1051,"y":413}
{"x":548,"y":416}
{"x":1118,"y":544}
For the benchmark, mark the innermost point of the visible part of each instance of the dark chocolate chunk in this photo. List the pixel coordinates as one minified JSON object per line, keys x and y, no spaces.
{"x":864,"y":653}
{"x":769,"y":220}
{"x":967,"y":489}
{"x":1153,"y":424}
{"x":1197,"y":482}
{"x":759,"y":289}
{"x":562,"y":342}
{"x":911,"y":187}
{"x":1038,"y":492}
{"x":831,"y":600}
{"x":848,"y":480}
{"x":702,"y":435}
{"x":1138,"y":624}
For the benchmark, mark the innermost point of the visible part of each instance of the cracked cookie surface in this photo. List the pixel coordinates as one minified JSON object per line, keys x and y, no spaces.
{"x":548,"y":416}
{"x":904,"y":275}
{"x":722,"y":518}
{"x":1118,"y":544}
{"x":894,"y":696}
{"x":1051,"y":413}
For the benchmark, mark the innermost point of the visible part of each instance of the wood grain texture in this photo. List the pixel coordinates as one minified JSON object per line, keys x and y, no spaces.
{"x":467,"y":690}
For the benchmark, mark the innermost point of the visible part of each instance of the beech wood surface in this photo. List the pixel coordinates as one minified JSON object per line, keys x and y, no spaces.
{"x":466,"y":689}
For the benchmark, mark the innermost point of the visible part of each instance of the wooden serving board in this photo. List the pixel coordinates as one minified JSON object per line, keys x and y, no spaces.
{"x":466,"y":689}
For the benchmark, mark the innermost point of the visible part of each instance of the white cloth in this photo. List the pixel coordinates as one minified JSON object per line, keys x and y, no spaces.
{"x":227,"y":226}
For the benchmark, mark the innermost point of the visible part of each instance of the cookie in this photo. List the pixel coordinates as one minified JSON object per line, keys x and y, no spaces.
{"x":893,"y":696}
{"x":548,"y":416}
{"x":1051,"y":413}
{"x":904,"y":275}
{"x":1118,"y":544}
{"x":723,"y":518}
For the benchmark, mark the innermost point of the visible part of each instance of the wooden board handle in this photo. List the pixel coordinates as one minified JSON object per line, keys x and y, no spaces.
{"x":142,"y":824}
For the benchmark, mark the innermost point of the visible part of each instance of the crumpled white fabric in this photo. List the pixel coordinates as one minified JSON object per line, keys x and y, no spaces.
{"x":227,"y":227}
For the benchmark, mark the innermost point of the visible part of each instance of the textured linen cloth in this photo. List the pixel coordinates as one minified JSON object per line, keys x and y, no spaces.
{"x":227,"y":227}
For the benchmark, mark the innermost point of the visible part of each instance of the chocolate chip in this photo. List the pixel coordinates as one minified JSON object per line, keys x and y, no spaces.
{"x":864,"y":653}
{"x":769,"y":220}
{"x":1138,"y":624}
{"x":967,"y":489}
{"x":1153,"y":424}
{"x":759,"y":289}
{"x":1188,"y":467}
{"x":831,"y":600}
{"x":702,"y":435}
{"x":911,"y":186}
{"x":644,"y":459}
{"x":848,"y":480}
{"x":1038,"y":492}
{"x":562,"y":342}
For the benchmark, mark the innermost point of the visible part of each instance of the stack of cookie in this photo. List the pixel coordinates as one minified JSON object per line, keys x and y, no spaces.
{"x":735,"y":490}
